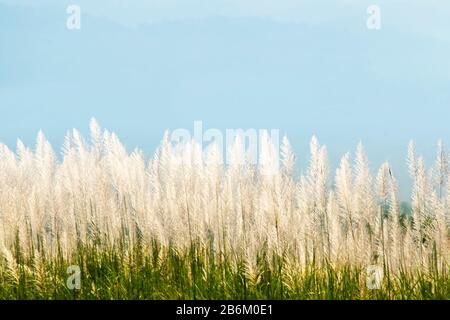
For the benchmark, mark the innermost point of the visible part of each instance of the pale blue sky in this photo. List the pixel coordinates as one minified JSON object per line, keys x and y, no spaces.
{"x":305,"y":67}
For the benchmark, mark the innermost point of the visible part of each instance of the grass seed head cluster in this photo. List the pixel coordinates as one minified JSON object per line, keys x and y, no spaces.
{"x":99,"y":195}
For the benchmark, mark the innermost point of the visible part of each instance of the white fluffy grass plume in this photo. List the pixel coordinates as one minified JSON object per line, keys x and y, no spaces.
{"x":98,"y":193}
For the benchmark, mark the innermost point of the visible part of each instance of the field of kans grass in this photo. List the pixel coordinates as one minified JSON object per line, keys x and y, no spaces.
{"x":184,"y":225}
